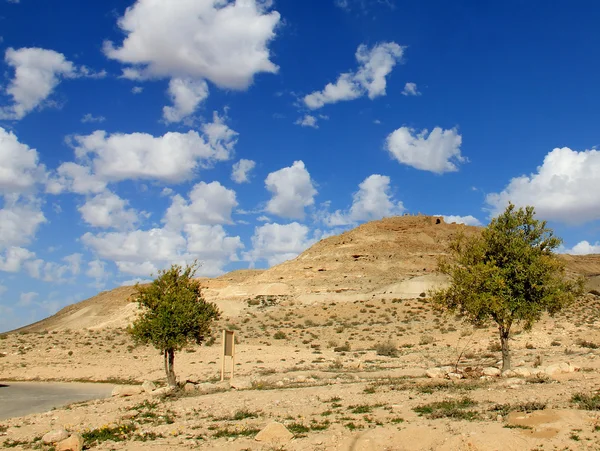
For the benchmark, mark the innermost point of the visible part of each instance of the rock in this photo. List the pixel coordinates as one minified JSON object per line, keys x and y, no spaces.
{"x":190,"y":387}
{"x":73,"y":443}
{"x":279,"y":383}
{"x":241,"y":384}
{"x":573,"y":368}
{"x":435,"y":373}
{"x":274,"y":432}
{"x":454,"y":376}
{"x":126,"y":390}
{"x":149,"y":386}
{"x":509,"y":374}
{"x":552,"y":370}
{"x":522,"y":371}
{"x":491,"y":371}
{"x":163,"y":391}
{"x":54,"y":436}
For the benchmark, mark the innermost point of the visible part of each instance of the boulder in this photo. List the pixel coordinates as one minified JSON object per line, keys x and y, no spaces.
{"x":163,"y":391}
{"x":522,"y":371}
{"x":241,"y":384}
{"x":55,"y":436}
{"x":509,"y":374}
{"x":190,"y":387}
{"x":73,"y":443}
{"x":454,"y":376}
{"x":435,"y":373}
{"x":149,"y":386}
{"x":274,"y":432}
{"x":127,"y":390}
{"x":551,"y":370}
{"x":491,"y":371}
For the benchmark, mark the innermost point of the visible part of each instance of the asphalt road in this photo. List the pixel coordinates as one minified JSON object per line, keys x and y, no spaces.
{"x":23,"y":398}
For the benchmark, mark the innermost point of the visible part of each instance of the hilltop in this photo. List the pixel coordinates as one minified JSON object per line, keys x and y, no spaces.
{"x":392,"y":258}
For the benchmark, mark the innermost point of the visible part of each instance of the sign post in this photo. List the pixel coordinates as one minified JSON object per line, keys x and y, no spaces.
{"x":228,"y":351}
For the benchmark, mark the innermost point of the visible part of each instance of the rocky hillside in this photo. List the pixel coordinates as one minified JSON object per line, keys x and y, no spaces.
{"x":391,"y":258}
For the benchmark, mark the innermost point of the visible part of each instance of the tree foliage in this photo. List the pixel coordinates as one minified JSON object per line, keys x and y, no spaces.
{"x":174,"y":314}
{"x":509,"y":274}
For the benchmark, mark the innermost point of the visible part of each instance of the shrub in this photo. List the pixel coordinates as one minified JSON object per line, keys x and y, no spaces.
{"x":279,"y":335}
{"x":387,"y":349}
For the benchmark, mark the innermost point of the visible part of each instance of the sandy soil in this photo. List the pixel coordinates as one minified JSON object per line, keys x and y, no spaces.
{"x":315,"y":369}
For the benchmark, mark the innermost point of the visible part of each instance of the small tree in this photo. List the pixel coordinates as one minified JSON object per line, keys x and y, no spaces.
{"x":508,"y":273}
{"x":174,"y":314}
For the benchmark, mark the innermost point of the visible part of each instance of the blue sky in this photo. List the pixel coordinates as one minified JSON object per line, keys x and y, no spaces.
{"x":137,"y":134}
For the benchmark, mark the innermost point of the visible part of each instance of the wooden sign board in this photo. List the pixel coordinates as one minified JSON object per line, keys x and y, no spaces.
{"x":228,"y":351}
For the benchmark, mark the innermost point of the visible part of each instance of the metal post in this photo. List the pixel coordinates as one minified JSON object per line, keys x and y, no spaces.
{"x":223,"y":359}
{"x":232,"y":355}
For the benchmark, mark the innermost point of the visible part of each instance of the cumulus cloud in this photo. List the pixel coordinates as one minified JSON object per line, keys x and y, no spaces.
{"x":212,"y":246}
{"x":372,"y":201}
{"x":186,"y":94}
{"x":20,"y":169}
{"x":55,"y":272}
{"x":438,"y":151}
{"x":307,"y":121}
{"x":410,"y":89}
{"x":277,"y":243}
{"x":241,"y":171}
{"x":583,"y":248}
{"x":37,"y":73}
{"x":221,"y":41}
{"x":564,"y":188}
{"x":174,"y":157}
{"x":292,"y":190}
{"x":13,"y":258}
{"x":375,"y":64}
{"x":19,"y":222}
{"x":208,"y":204}
{"x":107,"y":210}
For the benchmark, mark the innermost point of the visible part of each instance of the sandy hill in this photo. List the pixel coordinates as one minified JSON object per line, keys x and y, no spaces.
{"x":391,"y":258}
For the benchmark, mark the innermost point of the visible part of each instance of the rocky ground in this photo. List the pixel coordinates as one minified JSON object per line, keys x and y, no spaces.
{"x":336,"y":375}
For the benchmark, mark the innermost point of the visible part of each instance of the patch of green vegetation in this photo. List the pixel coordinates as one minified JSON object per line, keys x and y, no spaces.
{"x":586,"y":402}
{"x":117,"y":433}
{"x":226,"y":432}
{"x":279,"y":335}
{"x":363,"y":408}
{"x":243,"y":414}
{"x":517,"y":426}
{"x":455,"y":409}
{"x":387,"y":349}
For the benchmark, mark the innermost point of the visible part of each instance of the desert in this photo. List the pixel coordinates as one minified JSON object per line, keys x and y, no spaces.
{"x":337,"y":349}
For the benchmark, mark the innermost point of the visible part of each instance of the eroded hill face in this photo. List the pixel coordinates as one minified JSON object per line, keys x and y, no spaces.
{"x":393,"y":258}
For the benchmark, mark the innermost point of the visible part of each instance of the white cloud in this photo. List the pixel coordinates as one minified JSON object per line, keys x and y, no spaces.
{"x":209,"y":204}
{"x":19,"y":223}
{"x":55,"y":272}
{"x":76,"y":178}
{"x":292,"y":190}
{"x":26,"y":299}
{"x":138,"y":252}
{"x":213,"y":248}
{"x":20,"y":168}
{"x":467,"y":220}
{"x":37,"y":72}
{"x":96,"y":269}
{"x":307,"y":121}
{"x":173,"y":157}
{"x":221,"y":41}
{"x":13,"y":258}
{"x":565,"y":188}
{"x":372,"y":201}
{"x":241,"y":171}
{"x":186,"y":94}
{"x":375,"y":64}
{"x":582,"y":248}
{"x":277,"y":243}
{"x":107,"y":210}
{"x":410,"y":89}
{"x":90,"y":118}
{"x":137,"y":90}
{"x":3,"y":289}
{"x":438,"y":151}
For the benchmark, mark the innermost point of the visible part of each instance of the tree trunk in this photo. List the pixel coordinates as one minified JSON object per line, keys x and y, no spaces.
{"x":505,"y":349}
{"x":169,"y":362}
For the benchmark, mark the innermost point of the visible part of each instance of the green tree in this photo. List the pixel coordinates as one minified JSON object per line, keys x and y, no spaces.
{"x":509,"y":274}
{"x":174,"y":314}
